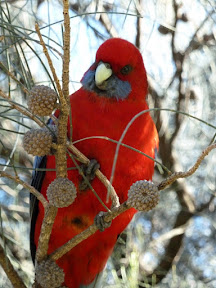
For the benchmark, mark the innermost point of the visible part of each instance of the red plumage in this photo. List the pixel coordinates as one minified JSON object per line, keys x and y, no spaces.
{"x":94,"y":114}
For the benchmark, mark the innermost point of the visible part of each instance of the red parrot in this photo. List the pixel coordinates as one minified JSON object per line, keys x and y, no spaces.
{"x":113,"y":91}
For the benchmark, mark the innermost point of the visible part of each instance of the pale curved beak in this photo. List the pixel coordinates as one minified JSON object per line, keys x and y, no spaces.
{"x":102,"y":73}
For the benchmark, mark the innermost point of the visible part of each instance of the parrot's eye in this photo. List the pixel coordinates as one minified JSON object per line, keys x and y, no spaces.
{"x":126,"y":69}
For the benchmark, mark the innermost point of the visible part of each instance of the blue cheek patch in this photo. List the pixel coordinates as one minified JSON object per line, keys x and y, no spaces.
{"x":88,"y":80}
{"x":116,"y":88}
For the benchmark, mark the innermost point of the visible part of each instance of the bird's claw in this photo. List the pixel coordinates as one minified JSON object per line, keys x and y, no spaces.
{"x":100,"y":222}
{"x":89,"y":173}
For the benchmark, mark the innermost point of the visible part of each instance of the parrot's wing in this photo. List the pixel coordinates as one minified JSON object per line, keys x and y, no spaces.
{"x":37,"y":180}
{"x":96,"y":283}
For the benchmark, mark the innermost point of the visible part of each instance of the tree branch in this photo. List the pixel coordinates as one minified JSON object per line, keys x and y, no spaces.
{"x":31,"y":189}
{"x":11,"y":273}
{"x":177,"y":175}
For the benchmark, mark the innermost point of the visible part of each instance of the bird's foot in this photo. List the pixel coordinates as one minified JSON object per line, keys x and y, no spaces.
{"x":100,"y":222}
{"x":89,"y":173}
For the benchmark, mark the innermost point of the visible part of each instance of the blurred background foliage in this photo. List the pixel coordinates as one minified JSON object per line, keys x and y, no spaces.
{"x":175,"y":244}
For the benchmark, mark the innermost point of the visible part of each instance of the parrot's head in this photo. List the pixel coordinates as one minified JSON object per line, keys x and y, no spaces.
{"x":118,"y":72}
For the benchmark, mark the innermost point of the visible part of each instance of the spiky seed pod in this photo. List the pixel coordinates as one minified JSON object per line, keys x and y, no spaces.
{"x":143,"y":195}
{"x":42,"y":100}
{"x":49,"y":274}
{"x":38,"y":142}
{"x":61,"y":192}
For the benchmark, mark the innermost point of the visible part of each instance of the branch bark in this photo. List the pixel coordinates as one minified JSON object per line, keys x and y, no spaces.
{"x":11,"y":273}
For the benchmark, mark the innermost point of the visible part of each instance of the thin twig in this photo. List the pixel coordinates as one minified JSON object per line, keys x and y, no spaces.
{"x":66,"y":56}
{"x":175,"y":176}
{"x":11,"y":273}
{"x":49,"y":61}
{"x":31,"y":189}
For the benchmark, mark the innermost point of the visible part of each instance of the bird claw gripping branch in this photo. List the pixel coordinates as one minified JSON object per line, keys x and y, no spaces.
{"x":89,"y":173}
{"x":100,"y":222}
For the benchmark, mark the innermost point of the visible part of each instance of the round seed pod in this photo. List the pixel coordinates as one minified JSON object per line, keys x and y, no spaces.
{"x":38,"y":142}
{"x":42,"y":100}
{"x":61,"y":192}
{"x":49,"y":274}
{"x":143,"y":195}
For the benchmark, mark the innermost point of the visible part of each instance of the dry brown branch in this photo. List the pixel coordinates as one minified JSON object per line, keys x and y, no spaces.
{"x":60,"y":155}
{"x":31,"y":189}
{"x":49,"y":61}
{"x":177,"y":175}
{"x":46,"y":229}
{"x":66,"y":57}
{"x":12,"y":275}
{"x":50,"y":213}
